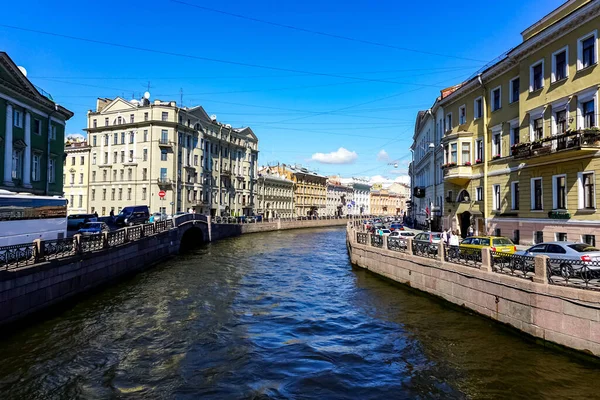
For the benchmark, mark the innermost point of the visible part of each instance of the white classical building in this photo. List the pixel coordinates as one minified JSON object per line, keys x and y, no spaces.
{"x":361,"y":190}
{"x":275,"y":196}
{"x":339,"y":196}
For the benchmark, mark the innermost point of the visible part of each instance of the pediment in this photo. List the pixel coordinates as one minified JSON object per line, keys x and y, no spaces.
{"x":13,"y":78}
{"x":118,"y":104}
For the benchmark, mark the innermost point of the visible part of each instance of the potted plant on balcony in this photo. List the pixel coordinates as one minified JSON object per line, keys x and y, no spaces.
{"x":591,"y":136}
{"x":478,"y":161}
{"x":537,"y":144}
{"x":496,"y":157}
{"x":521,"y":148}
{"x":468,"y":164}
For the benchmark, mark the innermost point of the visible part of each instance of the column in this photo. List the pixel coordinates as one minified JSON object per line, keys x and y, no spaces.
{"x":27,"y":155}
{"x":8,"y":146}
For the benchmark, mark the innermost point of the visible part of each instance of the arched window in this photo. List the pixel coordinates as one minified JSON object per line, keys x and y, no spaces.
{"x":463,"y":197}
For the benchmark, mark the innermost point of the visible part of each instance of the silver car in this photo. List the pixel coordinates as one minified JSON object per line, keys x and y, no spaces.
{"x":427,"y":242}
{"x":566,"y":258}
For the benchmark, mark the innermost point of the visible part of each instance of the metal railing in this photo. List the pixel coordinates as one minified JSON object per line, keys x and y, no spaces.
{"x":376,"y":241}
{"x":362,"y":238}
{"x":91,"y":243}
{"x":512,"y":264}
{"x":17,"y":255}
{"x":53,"y":249}
{"x":577,"y":273}
{"x":116,"y":238}
{"x":470,"y":257}
{"x":424,"y":249}
{"x":396,"y":244}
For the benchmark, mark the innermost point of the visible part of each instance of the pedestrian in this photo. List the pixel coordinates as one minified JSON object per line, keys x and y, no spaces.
{"x":445,"y":237}
{"x":453,"y":241}
{"x":470,"y":231}
{"x":96,"y":214}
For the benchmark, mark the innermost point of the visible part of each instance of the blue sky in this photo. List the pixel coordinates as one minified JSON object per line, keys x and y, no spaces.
{"x":294,"y":104}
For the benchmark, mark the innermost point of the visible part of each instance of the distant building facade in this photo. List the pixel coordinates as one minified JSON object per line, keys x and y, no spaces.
{"x":361,"y":189}
{"x":76,"y":179}
{"x":310,"y":189}
{"x":339,"y":196}
{"x":274,"y":196}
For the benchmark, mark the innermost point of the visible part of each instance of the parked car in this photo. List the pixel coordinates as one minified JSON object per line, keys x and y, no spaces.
{"x":566,"y":258}
{"x":385,"y":232}
{"x":402,"y":234}
{"x":133,"y":215}
{"x":432,"y":239}
{"x":158,"y":216}
{"x":76,"y":221}
{"x":93,"y":228}
{"x":498,"y":244}
{"x":395,"y":226}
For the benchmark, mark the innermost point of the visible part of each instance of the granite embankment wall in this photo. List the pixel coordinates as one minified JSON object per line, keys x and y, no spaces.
{"x":28,"y":289}
{"x":567,"y":316}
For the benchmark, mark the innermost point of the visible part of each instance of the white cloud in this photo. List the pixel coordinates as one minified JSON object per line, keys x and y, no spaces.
{"x":341,"y":156}
{"x":385,"y":181}
{"x":383,"y":156}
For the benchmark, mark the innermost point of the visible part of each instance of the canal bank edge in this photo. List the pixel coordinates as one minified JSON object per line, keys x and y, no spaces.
{"x":32,"y":289}
{"x":565,"y":316}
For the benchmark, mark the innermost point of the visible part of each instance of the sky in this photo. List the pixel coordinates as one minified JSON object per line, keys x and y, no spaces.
{"x":334,"y":86}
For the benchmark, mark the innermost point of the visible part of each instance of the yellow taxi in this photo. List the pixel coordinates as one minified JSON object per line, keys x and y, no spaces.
{"x":497,"y":244}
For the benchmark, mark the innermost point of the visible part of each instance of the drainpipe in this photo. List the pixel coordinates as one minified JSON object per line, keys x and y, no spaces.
{"x":485,"y":154}
{"x":47,"y":191}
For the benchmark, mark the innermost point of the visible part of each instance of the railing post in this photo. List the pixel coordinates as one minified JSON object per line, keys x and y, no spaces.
{"x":39,"y":250}
{"x":369,"y":235}
{"x":126,"y":234}
{"x":486,"y":259}
{"x":105,"y":240}
{"x":384,"y":245}
{"x":541,"y":270}
{"x":441,"y":251}
{"x":77,"y":239}
{"x":409,"y":246}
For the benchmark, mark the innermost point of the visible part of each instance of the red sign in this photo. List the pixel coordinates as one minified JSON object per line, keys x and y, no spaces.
{"x":162,"y":194}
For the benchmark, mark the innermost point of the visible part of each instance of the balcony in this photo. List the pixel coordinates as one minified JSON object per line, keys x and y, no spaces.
{"x":164,"y":142}
{"x":164,"y":182}
{"x":586,"y":140}
{"x":458,"y":174}
{"x":225,"y":172}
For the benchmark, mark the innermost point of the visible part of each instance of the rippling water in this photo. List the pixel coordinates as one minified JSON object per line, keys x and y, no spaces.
{"x":277,"y":315}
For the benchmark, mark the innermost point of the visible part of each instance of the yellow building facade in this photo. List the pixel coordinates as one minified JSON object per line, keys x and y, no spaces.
{"x":310,"y":189}
{"x":521,"y":142}
{"x":76,"y":168}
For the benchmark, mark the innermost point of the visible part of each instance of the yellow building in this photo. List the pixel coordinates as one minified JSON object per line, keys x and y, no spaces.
{"x":521,"y":141}
{"x":310,"y":189}
{"x":384,"y":202}
{"x":76,"y":168}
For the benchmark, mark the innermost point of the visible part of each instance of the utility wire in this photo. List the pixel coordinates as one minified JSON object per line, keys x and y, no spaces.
{"x":331,"y":35}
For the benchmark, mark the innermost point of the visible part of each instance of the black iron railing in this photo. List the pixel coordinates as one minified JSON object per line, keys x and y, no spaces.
{"x":577,"y":273}
{"x":468,"y":257}
{"x":513,"y":264}
{"x":396,"y":244}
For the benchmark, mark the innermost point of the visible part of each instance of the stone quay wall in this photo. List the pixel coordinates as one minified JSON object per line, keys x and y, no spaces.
{"x":567,"y":316}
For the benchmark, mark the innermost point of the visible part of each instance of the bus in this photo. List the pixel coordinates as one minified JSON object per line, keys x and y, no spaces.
{"x":25,"y":217}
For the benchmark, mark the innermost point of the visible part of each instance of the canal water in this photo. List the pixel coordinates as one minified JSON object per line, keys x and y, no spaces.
{"x":277,"y":315}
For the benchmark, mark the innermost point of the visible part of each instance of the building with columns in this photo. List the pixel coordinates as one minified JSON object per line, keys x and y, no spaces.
{"x":32,"y":130}
{"x":140,"y":147}
{"x":339,"y":196}
{"x":274,"y":196}
{"x":76,"y":168}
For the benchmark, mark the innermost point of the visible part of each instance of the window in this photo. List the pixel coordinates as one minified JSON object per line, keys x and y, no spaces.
{"x":453,"y":152}
{"x":536,"y":194}
{"x":81,"y":179}
{"x":53,"y":132}
{"x":165,"y":116}
{"x":559,"y":192}
{"x":104,"y":175}
{"x":560,"y":66}
{"x":449,"y":122}
{"x":80,"y":201}
{"x":163,"y":174}
{"x":538,"y":128}
{"x":36,"y":170}
{"x":73,"y":160}
{"x":496,"y":199}
{"x":51,"y":170}
{"x":539,"y":237}
{"x":479,"y":194}
{"x":106,"y":140}
{"x":515,"y":84}
{"x":129,"y":174}
{"x":536,"y":78}
{"x":106,"y":121}
{"x":588,"y":112}
{"x":81,"y":160}
{"x":145,"y":116}
{"x":131,"y":137}
{"x":587,"y":190}
{"x":115,"y":175}
{"x":71,"y":201}
{"x":113,"y":192}
{"x":478,"y":108}
{"x":17,"y":163}
{"x":145,"y":155}
{"x":131,"y":118}
{"x":128,"y":193}
{"x":115,"y":157}
{"x":560,"y":118}
{"x":589,"y":239}
{"x":93,"y":176}
{"x":514,"y":135}
{"x":144,"y":174}
{"x":462,"y":115}
{"x":37,"y":127}
{"x":496,"y":98}
{"x":561,"y":237}
{"x":466,"y":153}
{"x":514,"y":195}
{"x":497,"y":144}
{"x":94,"y":143}
{"x":17,"y":118}
{"x":586,"y":51}
{"x":122,"y":175}
{"x":195,"y":160}
{"x":479,"y":155}
{"x":120,"y":194}
{"x":131,"y":156}
{"x":144,"y":191}
{"x":163,"y":155}
{"x":145,"y":135}
{"x":164,"y":136}
{"x":122,"y":156}
{"x":95,"y":123}
{"x":93,"y":194}
{"x":115,"y":138}
{"x":122,"y":137}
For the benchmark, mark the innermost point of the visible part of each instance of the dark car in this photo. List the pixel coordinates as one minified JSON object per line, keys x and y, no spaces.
{"x":76,"y":221}
{"x":133,"y":215}
{"x":93,"y":228}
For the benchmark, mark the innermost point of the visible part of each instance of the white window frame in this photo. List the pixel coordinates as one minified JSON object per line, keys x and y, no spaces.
{"x":462,"y":144}
{"x":476,"y":150}
{"x":479,"y":193}
{"x":514,"y":123}
{"x":513,"y":198}
{"x":460,"y":109}
{"x":533,"y":115}
{"x":510,"y":90}
{"x":580,"y":41}
{"x":535,"y":64}
{"x":532,"y":189}
{"x":496,"y":202}
{"x":36,"y":167}
{"x":492,"y":98}
{"x":497,"y":130}
{"x":581,"y":192}
{"x":52,"y":170}
{"x":557,"y":52}
{"x":448,"y":128}
{"x":584,"y":97}
{"x":555,"y":191}
{"x":557,"y":106}
{"x":476,"y":113}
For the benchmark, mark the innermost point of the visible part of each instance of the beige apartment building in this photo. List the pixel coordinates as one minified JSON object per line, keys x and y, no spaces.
{"x":139,"y":149}
{"x":76,"y":169}
{"x":275,"y":196}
